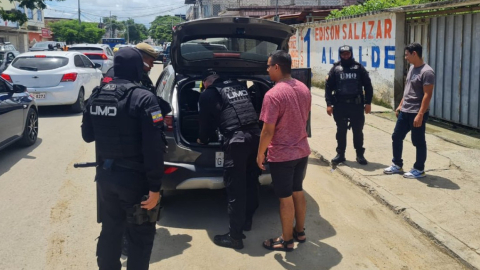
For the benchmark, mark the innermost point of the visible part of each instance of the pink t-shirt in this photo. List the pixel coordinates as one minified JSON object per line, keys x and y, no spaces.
{"x":287,"y":105}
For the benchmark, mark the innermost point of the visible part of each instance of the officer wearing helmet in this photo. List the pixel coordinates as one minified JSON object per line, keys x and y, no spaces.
{"x":225,"y":105}
{"x":125,"y":121}
{"x":348,"y":93}
{"x":148,"y":56}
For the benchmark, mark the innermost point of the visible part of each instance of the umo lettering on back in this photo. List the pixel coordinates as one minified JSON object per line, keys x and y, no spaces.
{"x":348,"y":76}
{"x":241,"y":93}
{"x":107,"y":111}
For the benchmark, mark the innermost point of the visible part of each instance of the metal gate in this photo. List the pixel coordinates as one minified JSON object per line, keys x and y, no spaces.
{"x":453,"y":44}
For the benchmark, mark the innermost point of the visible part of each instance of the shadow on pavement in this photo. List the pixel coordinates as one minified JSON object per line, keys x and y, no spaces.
{"x":370,"y":167}
{"x":56,"y":111}
{"x":14,"y":153}
{"x":435,"y":181}
{"x":207,"y":209}
{"x":166,"y":245}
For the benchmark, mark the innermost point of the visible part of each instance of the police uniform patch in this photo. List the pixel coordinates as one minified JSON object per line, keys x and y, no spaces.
{"x":157,"y":116}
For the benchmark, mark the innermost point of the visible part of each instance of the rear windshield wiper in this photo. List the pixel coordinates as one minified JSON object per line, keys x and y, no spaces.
{"x":29,"y":68}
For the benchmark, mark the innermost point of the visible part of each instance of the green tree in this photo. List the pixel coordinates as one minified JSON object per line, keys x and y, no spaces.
{"x":161,"y":27}
{"x":71,"y":32}
{"x":373,"y":5}
{"x":135,"y":32}
{"x":112,"y":25}
{"x":17,"y":15}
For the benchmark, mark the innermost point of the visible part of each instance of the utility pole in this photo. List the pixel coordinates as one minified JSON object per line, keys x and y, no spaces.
{"x":111,"y":28}
{"x":79,"y":22}
{"x":277,"y":19}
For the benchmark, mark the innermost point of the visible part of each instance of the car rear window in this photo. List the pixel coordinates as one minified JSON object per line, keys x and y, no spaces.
{"x":248,"y":49}
{"x":41,"y":45}
{"x":39,"y":63}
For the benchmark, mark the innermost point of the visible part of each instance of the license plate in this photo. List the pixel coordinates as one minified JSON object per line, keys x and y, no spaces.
{"x":219,"y":156}
{"x":39,"y":95}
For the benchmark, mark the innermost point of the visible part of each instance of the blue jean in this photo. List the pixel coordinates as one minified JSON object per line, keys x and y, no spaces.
{"x":403,"y":126}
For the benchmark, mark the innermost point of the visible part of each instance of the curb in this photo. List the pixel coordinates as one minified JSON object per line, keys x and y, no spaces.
{"x":446,"y":242}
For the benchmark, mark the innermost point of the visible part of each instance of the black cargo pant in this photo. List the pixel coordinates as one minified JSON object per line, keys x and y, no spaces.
{"x":241,"y":178}
{"x":115,"y":202}
{"x":346,"y":114}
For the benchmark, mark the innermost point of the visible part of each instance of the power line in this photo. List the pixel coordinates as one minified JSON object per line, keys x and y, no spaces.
{"x":139,"y":15}
{"x":127,"y":9}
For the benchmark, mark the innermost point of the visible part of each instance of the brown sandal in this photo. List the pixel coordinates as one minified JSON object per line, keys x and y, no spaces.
{"x":297,"y":234}
{"x":280,"y":241}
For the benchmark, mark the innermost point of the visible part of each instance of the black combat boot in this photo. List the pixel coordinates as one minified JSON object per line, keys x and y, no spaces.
{"x":361,"y":160}
{"x":227,"y":241}
{"x":339,"y":158}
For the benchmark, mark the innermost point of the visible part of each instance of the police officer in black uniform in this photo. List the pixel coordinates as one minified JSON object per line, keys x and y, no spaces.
{"x":226,"y":105}
{"x":344,"y":93}
{"x":125,"y":121}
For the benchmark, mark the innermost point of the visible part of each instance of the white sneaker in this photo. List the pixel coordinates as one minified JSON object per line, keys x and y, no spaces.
{"x":394,"y":169}
{"x":414,"y":174}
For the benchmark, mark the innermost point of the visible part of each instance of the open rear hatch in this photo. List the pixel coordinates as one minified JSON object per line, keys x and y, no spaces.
{"x":234,"y":45}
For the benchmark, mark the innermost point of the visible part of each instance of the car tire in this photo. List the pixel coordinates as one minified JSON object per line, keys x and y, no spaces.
{"x":79,"y":105}
{"x":30,"y":131}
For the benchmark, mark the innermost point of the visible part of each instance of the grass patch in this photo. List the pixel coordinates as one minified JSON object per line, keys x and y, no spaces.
{"x":320,"y":85}
{"x":381,"y":102}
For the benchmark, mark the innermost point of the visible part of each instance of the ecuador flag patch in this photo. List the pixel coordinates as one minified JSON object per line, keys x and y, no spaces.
{"x":157,"y":116}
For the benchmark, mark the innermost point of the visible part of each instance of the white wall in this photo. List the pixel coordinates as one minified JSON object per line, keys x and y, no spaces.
{"x":373,"y":39}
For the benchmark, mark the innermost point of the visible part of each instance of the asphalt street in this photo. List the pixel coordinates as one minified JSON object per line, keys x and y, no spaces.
{"x":48,"y":218}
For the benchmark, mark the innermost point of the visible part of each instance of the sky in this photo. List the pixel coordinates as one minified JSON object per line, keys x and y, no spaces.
{"x":142,"y":11}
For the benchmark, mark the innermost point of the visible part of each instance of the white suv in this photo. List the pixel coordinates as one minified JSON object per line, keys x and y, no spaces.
{"x":99,"y":54}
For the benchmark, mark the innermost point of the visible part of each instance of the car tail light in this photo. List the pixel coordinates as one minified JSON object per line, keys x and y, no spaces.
{"x":97,"y":55}
{"x":40,"y":56}
{"x":169,"y":122}
{"x":7,"y":77}
{"x":170,"y":170}
{"x":69,"y":77}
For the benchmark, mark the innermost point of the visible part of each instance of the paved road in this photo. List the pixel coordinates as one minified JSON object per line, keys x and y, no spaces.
{"x":47,"y":215}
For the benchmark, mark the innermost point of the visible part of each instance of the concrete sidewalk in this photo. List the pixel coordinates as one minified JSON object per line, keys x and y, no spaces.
{"x":444,"y":205}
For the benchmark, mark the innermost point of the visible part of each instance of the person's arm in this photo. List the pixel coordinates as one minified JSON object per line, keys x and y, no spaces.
{"x":88,"y":133}
{"x":367,"y":86}
{"x":428,"y":83}
{"x":153,"y":145}
{"x":207,"y":104}
{"x":269,"y":116}
{"x":266,"y":137}
{"x":329,"y":87}
{"x":427,"y":96}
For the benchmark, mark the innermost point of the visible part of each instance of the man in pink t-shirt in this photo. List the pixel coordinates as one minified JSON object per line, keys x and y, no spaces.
{"x":285,"y":113}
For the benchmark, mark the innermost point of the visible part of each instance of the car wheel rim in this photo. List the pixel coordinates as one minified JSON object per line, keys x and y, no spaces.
{"x":32,"y":127}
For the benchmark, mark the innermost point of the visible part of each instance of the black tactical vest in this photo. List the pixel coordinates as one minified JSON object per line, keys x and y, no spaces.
{"x":117,"y":134}
{"x":237,"y":109}
{"x":348,"y":81}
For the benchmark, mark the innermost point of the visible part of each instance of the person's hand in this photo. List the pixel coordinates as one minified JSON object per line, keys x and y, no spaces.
{"x":199,"y":142}
{"x":417,"y":122}
{"x":153,"y":199}
{"x":330,"y":110}
{"x":261,"y":161}
{"x":368,"y":108}
{"x":397,"y":112}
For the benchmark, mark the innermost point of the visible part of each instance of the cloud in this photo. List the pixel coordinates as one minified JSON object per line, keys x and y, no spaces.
{"x":142,"y":11}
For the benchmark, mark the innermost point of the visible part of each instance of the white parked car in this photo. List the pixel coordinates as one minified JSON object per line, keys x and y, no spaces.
{"x":55,"y":77}
{"x":98,"y":53}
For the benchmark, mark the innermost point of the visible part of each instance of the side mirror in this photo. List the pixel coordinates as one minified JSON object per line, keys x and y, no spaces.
{"x":97,"y":65}
{"x":18,"y":88}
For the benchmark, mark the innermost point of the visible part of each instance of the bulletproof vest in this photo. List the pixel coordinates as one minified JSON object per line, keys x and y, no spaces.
{"x":348,"y":80}
{"x":117,"y":134}
{"x":237,"y":109}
